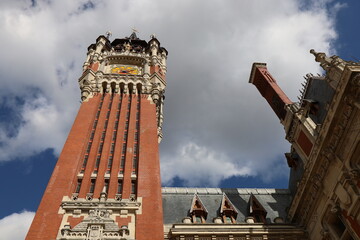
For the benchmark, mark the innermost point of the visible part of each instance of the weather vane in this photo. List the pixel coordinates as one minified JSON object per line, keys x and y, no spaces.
{"x":134,"y":30}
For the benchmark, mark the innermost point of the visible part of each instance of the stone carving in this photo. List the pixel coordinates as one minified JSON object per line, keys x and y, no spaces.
{"x":97,"y":226}
{"x":303,"y":198}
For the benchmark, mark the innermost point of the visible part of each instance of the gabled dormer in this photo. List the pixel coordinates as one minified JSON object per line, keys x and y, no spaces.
{"x":228,"y":212}
{"x":198,"y":212}
{"x":256,"y":210}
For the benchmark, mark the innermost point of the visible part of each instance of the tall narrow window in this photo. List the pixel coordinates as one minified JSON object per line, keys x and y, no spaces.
{"x":95,"y":123}
{"x":136,"y":136}
{"x":101,"y":147}
{"x":133,"y":187}
{"x":106,"y":185}
{"x":97,"y":161}
{"x":112,"y":148}
{"x":122,"y":163}
{"x":78,"y":186}
{"x":85,"y":160}
{"x":120,"y":186}
{"x":103,"y":135}
{"x":92,"y":186}
{"x":124,"y":148}
{"x":135,"y":162}
{"x":88,"y":147}
{"x":110,"y":162}
{"x":92,"y":135}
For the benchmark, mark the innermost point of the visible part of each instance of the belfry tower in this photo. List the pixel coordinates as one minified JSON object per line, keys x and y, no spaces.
{"x":106,"y":183}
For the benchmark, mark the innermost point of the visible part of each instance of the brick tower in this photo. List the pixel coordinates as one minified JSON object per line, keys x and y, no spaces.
{"x":106,"y":183}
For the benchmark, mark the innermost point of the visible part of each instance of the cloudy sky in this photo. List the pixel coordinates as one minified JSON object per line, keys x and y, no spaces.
{"x":218,"y":131}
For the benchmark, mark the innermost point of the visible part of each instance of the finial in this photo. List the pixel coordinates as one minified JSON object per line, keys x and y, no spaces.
{"x":108,"y":34}
{"x":312,"y":51}
{"x":320,"y":56}
{"x":152,"y":36}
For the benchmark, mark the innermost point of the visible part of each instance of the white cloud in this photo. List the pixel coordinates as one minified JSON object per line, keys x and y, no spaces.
{"x":199,"y":165}
{"x":211,"y":45}
{"x":15,"y":226}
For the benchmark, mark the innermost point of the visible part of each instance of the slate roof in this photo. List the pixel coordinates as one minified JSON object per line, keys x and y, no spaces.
{"x":177,"y":202}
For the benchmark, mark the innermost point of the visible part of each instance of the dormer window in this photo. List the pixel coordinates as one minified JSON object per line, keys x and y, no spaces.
{"x":198,"y":212}
{"x":256,"y":210}
{"x":227,"y":211}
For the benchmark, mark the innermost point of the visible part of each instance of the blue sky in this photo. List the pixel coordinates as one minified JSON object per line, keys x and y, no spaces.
{"x":213,"y":117}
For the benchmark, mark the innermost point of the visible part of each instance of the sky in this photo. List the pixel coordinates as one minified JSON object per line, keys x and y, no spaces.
{"x":218,"y":130}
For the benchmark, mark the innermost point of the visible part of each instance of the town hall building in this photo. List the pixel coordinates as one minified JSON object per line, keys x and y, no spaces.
{"x":106,"y":184}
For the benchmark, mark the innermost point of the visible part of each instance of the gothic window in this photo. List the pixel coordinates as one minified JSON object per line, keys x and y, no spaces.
{"x":256,"y":210}
{"x":198,"y":212}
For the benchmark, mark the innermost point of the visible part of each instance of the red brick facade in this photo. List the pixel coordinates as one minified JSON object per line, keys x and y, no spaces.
{"x":63,"y":182}
{"x":47,"y":221}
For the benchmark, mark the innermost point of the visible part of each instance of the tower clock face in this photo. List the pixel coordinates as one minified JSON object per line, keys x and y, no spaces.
{"x":125,"y":70}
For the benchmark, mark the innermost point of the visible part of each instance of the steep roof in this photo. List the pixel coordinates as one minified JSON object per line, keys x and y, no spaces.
{"x":177,"y":202}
